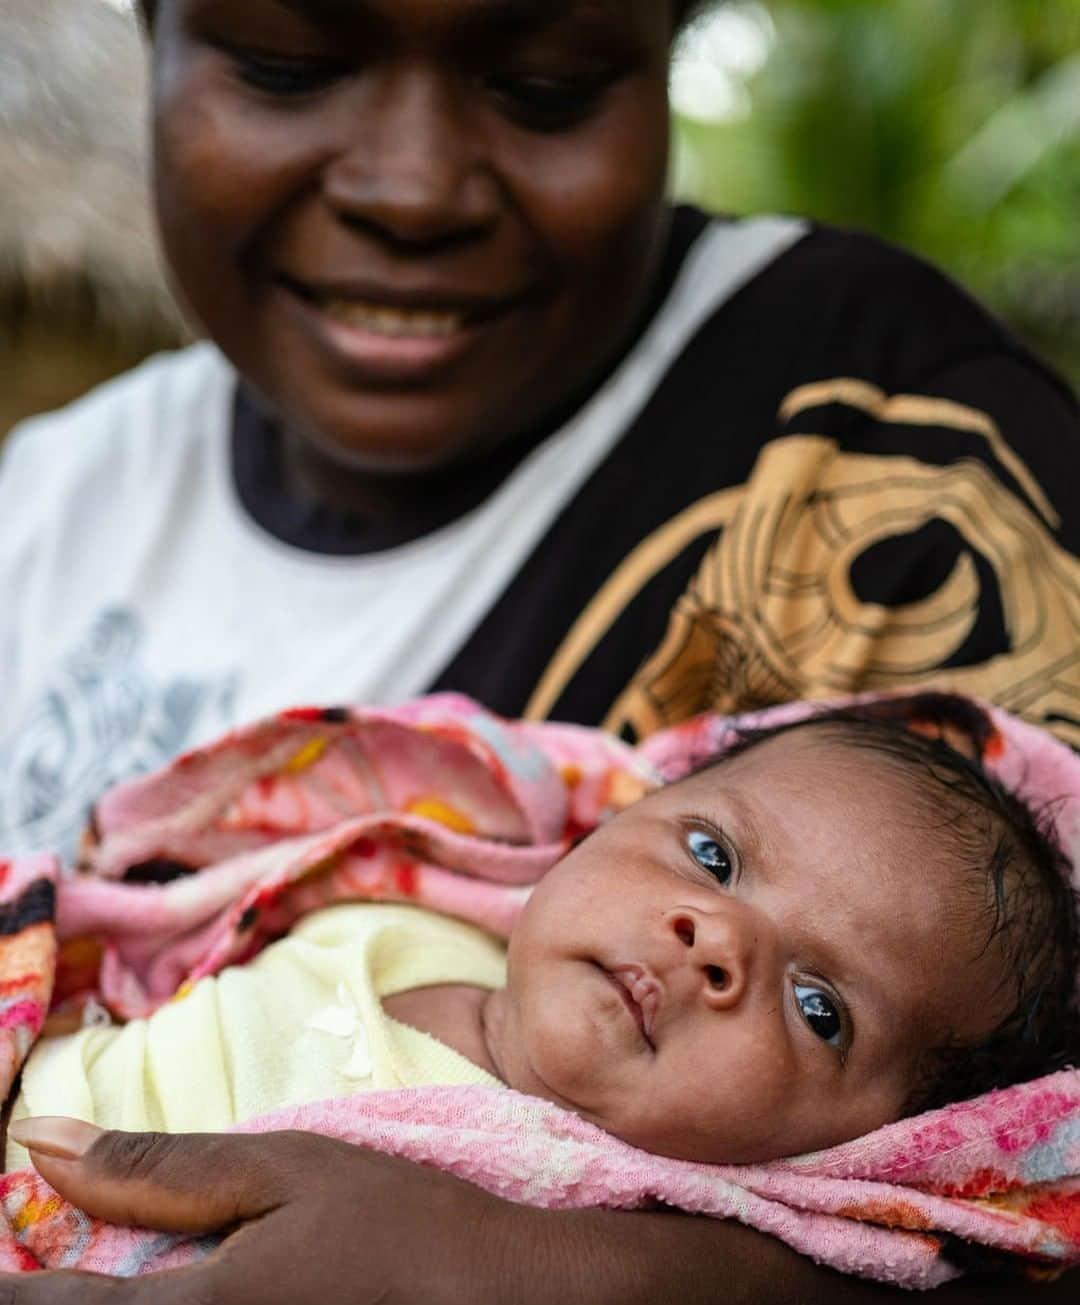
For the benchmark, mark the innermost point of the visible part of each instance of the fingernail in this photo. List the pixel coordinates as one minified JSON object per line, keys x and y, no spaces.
{"x":67,"y":1139}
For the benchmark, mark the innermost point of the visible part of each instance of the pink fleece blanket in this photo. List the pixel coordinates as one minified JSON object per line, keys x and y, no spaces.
{"x":441,"y":804}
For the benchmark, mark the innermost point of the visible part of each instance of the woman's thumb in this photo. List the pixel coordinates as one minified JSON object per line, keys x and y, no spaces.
{"x":193,"y":1183}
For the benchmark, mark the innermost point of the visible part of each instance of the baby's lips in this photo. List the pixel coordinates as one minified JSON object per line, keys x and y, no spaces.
{"x":645,"y":991}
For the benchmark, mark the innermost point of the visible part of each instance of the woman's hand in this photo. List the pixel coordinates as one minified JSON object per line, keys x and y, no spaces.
{"x":315,"y":1220}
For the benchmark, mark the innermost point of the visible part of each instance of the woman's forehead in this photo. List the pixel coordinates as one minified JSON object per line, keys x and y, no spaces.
{"x":521,"y":15}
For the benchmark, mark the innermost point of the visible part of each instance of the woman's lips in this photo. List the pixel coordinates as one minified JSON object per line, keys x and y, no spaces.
{"x":410,"y":340}
{"x":394,"y":323}
{"x":640,"y":993}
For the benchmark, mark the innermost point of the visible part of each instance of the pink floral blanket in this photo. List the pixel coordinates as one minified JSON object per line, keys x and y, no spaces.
{"x":442,"y":804}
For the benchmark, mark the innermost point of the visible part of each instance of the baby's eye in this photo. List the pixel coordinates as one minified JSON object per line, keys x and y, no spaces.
{"x":820,"y":1013}
{"x":710,"y":855}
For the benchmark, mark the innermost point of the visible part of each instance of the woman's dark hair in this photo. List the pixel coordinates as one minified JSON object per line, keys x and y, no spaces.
{"x":687,"y":10}
{"x":937,"y":743}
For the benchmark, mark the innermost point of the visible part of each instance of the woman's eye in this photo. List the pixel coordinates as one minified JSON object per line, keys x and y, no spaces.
{"x":820,"y":1013}
{"x":543,"y":104}
{"x":286,"y":76}
{"x":710,"y":855}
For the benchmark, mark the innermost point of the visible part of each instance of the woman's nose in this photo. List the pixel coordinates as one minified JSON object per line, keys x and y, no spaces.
{"x":412,"y":171}
{"x":720,"y":945}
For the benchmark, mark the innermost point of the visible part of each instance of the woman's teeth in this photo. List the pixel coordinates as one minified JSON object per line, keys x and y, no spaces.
{"x":393,"y":322}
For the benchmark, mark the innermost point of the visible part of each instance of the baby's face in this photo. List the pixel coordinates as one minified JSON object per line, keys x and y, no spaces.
{"x":747,"y":964}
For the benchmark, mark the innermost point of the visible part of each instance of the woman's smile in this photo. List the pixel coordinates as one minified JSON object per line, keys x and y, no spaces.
{"x":415,"y":248}
{"x":380,"y":337}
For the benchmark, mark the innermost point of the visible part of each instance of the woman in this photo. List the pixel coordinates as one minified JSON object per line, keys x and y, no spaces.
{"x":493,"y":418}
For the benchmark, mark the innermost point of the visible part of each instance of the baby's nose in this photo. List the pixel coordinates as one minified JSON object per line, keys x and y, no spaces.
{"x":720,"y":945}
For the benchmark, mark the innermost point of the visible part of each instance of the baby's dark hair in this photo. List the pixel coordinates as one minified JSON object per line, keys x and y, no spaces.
{"x":938,"y":742}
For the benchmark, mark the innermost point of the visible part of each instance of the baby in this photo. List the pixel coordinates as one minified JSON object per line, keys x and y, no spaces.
{"x":835,"y":924}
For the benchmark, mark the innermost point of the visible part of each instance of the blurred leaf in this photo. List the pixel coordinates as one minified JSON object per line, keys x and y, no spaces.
{"x":948,"y":126}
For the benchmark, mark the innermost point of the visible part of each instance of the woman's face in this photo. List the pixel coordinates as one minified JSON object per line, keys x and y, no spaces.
{"x":418,"y":227}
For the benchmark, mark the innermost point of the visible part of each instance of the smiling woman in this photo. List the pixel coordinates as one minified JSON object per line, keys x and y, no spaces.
{"x":480,"y":411}
{"x":402,"y":221}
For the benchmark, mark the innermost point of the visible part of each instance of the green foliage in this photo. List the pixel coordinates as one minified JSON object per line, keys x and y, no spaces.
{"x":948,"y":126}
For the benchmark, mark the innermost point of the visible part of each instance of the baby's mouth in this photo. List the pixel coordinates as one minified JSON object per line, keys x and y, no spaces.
{"x":640,"y":992}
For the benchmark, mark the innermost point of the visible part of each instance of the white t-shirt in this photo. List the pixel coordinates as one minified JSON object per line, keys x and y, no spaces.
{"x":144,"y":611}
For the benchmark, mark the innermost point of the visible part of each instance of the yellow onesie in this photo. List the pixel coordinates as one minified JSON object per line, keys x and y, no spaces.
{"x":301,"y":1022}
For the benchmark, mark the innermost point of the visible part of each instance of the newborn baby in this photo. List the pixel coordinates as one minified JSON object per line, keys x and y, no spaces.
{"x":830,"y":928}
{"x":837,"y":923}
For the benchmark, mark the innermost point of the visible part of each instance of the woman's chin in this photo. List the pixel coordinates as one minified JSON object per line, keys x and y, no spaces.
{"x":387,"y":435}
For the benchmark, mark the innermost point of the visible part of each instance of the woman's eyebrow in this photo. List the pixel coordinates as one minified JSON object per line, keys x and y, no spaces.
{"x":513,"y":19}
{"x":531,"y":13}
{"x":337,"y":10}
{"x":510,"y":15}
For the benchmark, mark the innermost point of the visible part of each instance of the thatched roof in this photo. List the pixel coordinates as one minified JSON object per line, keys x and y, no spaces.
{"x":76,"y":232}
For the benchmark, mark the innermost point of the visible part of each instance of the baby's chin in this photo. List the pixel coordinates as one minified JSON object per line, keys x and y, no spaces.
{"x":698,"y":1148}
{"x":695,"y":1147}
{"x":695,"y":1152}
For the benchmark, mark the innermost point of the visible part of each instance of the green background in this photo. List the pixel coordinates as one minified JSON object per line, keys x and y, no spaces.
{"x":949,"y":126}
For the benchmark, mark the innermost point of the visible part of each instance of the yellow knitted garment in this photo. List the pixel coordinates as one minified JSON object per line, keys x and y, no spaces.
{"x":301,"y":1022}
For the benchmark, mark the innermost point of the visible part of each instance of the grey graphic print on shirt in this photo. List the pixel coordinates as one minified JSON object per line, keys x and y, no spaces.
{"x":103,"y":719}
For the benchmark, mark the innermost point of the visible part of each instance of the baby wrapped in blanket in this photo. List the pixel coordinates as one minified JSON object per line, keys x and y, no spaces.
{"x":839,"y":922}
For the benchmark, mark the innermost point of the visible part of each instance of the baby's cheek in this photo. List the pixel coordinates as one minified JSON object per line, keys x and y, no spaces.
{"x":570,"y":1057}
{"x":563,"y":1040}
{"x":882,"y":1102}
{"x":729,"y":1098}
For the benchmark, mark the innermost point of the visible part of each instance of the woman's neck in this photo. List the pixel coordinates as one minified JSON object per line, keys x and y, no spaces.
{"x":311,"y":475}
